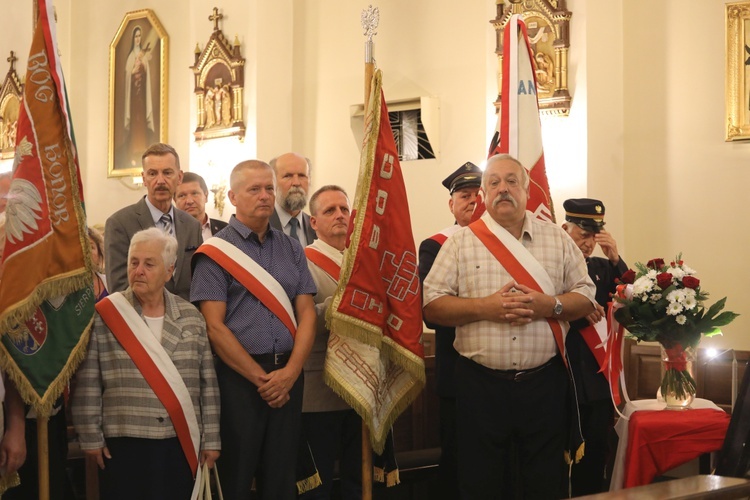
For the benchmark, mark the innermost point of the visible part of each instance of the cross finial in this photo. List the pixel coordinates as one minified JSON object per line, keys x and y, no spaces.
{"x":12,"y":59}
{"x":215,"y":17}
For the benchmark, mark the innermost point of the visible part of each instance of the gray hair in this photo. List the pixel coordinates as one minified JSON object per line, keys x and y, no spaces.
{"x":324,"y":189}
{"x":169,"y":244}
{"x":234,"y":177}
{"x":307,"y":160}
{"x":503,"y":157}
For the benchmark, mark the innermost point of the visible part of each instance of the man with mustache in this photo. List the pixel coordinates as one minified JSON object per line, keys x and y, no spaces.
{"x":161,"y":176}
{"x":293,"y":183}
{"x":585,"y":224}
{"x":509,"y":283}
{"x":463,"y":186}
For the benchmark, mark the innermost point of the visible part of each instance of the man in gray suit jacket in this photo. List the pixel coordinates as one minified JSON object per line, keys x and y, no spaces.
{"x":161,"y":176}
{"x":292,"y":185}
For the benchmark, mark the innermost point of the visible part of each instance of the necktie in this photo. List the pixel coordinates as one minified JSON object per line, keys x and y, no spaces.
{"x":294,"y":223}
{"x":166,"y":224}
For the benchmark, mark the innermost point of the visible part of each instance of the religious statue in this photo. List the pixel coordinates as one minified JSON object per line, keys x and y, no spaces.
{"x":226,"y":106}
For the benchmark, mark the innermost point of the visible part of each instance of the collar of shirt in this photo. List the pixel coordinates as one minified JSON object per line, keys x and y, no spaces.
{"x":245,"y":231}
{"x":284,"y":218}
{"x":527,"y":231}
{"x":334,"y":253}
{"x":156,"y":213}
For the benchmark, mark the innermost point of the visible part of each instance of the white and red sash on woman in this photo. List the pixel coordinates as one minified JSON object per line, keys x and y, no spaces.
{"x":523,"y":267}
{"x":157,"y":368}
{"x":323,"y":261}
{"x":253,"y":277}
{"x":446,"y":233}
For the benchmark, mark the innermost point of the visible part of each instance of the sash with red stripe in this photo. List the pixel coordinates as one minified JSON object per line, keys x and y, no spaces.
{"x":153,"y":375}
{"x":324,"y":262}
{"x":519,"y":273}
{"x":253,"y":277}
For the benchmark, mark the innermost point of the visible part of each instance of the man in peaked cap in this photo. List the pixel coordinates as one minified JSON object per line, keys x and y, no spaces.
{"x":585,"y":224}
{"x":463,"y":186}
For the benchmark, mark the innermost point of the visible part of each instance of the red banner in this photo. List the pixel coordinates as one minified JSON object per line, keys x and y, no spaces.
{"x":519,"y":131}
{"x":378,"y":302}
{"x":46,"y":296}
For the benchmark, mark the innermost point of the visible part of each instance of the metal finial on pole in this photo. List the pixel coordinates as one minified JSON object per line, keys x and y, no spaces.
{"x":370,"y":20}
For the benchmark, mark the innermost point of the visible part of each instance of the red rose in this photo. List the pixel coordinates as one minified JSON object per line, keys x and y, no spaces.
{"x":628,"y":277}
{"x":656,"y":264}
{"x":691,"y":282}
{"x":664,"y":280}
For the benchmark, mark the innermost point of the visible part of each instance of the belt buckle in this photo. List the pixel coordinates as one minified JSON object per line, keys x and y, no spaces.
{"x":277,"y":357}
{"x":518,"y":376}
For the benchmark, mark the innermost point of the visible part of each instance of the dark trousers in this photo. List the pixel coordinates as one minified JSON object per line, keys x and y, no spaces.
{"x":448,"y":478}
{"x":335,"y":435}
{"x":57,"y":441}
{"x":145,"y":469}
{"x":597,"y":419}
{"x":257,"y":441}
{"x":492,"y":413}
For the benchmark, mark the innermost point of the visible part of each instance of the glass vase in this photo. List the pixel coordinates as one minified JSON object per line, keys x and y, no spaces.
{"x":678,"y":376}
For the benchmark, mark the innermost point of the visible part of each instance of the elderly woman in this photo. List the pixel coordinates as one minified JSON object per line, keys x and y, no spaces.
{"x":146,"y":403}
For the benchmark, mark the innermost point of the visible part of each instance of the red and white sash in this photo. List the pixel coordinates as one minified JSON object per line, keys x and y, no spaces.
{"x":446,"y":233}
{"x":157,"y":369}
{"x":253,"y":277}
{"x":323,"y":261}
{"x":523,"y":267}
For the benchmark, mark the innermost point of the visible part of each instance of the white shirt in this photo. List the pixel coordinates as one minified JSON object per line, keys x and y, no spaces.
{"x":464,"y":267}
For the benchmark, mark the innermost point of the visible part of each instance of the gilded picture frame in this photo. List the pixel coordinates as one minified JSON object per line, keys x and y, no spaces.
{"x":11,"y":92}
{"x":138,"y":83}
{"x":737,"y":92}
{"x":548,"y":25}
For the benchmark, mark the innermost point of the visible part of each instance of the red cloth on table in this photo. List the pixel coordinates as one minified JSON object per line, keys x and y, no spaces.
{"x":661,"y":440}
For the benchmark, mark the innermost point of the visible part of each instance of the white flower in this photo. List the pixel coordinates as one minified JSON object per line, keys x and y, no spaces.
{"x":676,"y":296}
{"x":690,"y":302}
{"x":656,"y":297}
{"x":681,"y":319}
{"x":676,"y":272}
{"x":688,"y":270}
{"x":651,"y":274}
{"x":674,"y":308}
{"x":642,"y":285}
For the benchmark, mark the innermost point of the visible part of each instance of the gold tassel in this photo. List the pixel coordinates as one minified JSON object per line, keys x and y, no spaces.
{"x":393,"y":479}
{"x":579,"y":452}
{"x":378,"y":475}
{"x":308,"y":484}
{"x":7,"y":482}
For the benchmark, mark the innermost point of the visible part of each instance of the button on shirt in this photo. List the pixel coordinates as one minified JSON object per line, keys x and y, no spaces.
{"x":257,"y":328}
{"x":466,"y":268}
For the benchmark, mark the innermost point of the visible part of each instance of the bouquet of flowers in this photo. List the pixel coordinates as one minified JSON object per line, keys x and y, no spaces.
{"x":664,"y":303}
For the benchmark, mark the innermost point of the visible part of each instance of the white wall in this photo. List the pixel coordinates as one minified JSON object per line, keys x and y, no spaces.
{"x":645,"y":132}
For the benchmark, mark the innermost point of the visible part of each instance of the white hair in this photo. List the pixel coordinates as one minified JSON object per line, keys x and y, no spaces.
{"x":169,"y":244}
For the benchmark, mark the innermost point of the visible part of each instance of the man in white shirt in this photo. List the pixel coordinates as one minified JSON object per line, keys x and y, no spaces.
{"x":509,"y":283}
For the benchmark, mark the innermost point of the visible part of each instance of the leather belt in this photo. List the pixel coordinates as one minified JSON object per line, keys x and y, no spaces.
{"x":272,"y":358}
{"x":521,"y":375}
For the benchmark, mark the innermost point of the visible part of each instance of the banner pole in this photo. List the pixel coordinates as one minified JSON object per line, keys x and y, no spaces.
{"x":42,"y":424}
{"x":370,"y":20}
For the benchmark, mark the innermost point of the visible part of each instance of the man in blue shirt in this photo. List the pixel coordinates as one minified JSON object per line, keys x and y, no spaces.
{"x":253,"y":333}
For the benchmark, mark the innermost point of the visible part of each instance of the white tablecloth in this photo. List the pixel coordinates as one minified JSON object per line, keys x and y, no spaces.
{"x":618,"y":472}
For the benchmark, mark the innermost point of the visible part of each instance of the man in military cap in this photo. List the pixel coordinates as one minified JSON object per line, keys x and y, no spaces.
{"x":463,"y":186}
{"x":585,"y":224}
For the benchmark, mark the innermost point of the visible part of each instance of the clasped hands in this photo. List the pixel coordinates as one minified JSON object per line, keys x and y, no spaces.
{"x":274,"y":387}
{"x":519,"y":305}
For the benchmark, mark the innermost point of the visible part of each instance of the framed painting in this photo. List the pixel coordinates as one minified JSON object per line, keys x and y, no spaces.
{"x":738,"y":71}
{"x":11,"y":92}
{"x":138,"y":82}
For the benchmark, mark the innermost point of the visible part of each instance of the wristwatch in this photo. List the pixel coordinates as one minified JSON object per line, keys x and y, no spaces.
{"x":557,"y":310}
